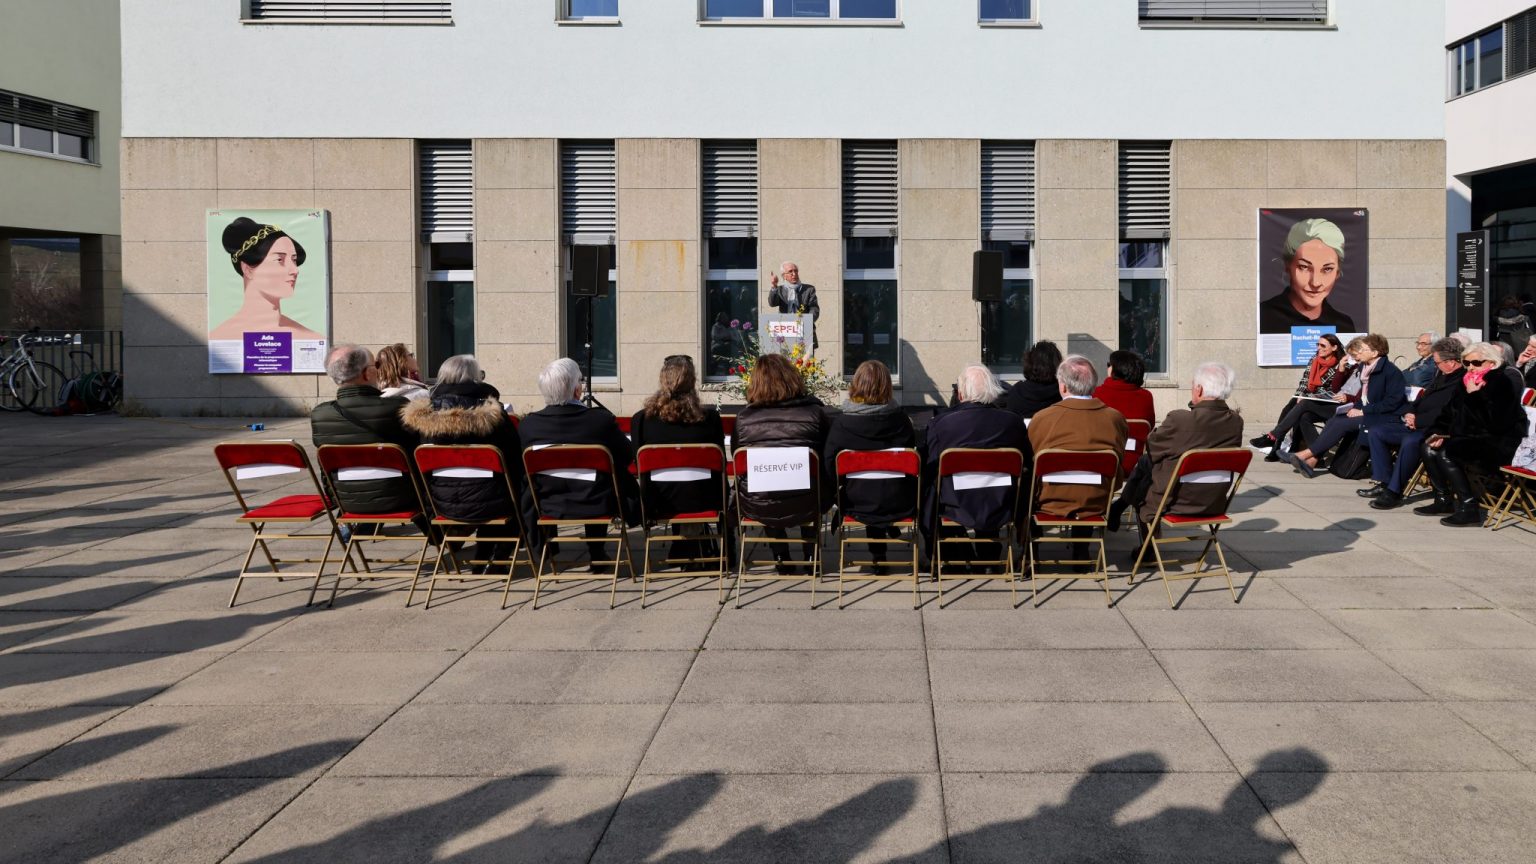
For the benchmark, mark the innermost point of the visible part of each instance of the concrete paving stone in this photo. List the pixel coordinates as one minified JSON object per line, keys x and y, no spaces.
{"x":1404,"y":817}
{"x":292,"y":678}
{"x":1070,"y":737}
{"x":55,"y":594}
{"x":759,"y":738}
{"x":1352,"y":736}
{"x":561,"y":677}
{"x":1024,"y":629}
{"x":171,"y":500}
{"x":978,"y":594}
{"x":28,"y":733}
{"x":19,"y":627}
{"x":1470,"y":675}
{"x":743,"y":819}
{"x":1353,"y":563}
{"x":1048,"y":676}
{"x":65,"y":679}
{"x":1509,"y":592}
{"x":1253,"y":592}
{"x":1434,"y":628}
{"x":797,"y":629}
{"x":14,"y":561}
{"x":114,"y":631}
{"x":209,"y":593}
{"x":1344,"y":675}
{"x":571,"y":630}
{"x":186,"y":821}
{"x":1304,"y":541}
{"x":460,"y":819}
{"x":374,"y":630}
{"x":1426,"y":540}
{"x":1121,"y":812}
{"x":1456,"y":563}
{"x":61,"y":540}
{"x":505,"y":740}
{"x":807,"y":677}
{"x":1236,"y":628}
{"x":158,"y":741}
{"x":1382,"y":592}
{"x":119,"y":564}
{"x":1511,"y":725}
{"x":93,"y":518}
{"x":232,"y":540}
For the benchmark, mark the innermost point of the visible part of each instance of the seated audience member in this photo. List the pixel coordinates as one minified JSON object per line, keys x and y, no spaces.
{"x":780,"y":413}
{"x":1317,"y":397}
{"x":1511,"y":326}
{"x":1408,"y":438}
{"x":1038,"y":389}
{"x":1464,"y":339}
{"x":565,"y":420}
{"x":398,"y":373}
{"x":1508,"y":368}
{"x":1422,"y":370}
{"x":1477,"y":433}
{"x":1207,"y":423}
{"x":1078,"y":422}
{"x":1382,"y":398}
{"x":674,"y":415}
{"x":462,"y":409}
{"x":360,"y":414}
{"x":1122,"y":390}
{"x":1526,"y":363}
{"x":872,"y":420}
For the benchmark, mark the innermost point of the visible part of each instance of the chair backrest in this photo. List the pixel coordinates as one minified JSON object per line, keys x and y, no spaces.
{"x":957,"y":461}
{"x":1095,"y":468}
{"x":251,"y":460}
{"x":355,"y":463}
{"x":896,"y":469}
{"x":1137,"y":432}
{"x":677,"y":463}
{"x":743,"y":457}
{"x":624,"y":424}
{"x":728,"y":423}
{"x":466,"y":462}
{"x":578,"y":463}
{"x":1221,"y":467}
{"x":1528,"y":397}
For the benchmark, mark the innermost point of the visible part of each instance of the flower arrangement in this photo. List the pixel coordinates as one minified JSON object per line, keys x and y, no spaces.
{"x":819,"y":381}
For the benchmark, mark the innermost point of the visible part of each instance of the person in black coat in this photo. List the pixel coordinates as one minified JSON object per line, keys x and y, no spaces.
{"x":780,"y":413}
{"x":1477,"y":432}
{"x":1421,"y":416}
{"x":1039,"y":388}
{"x":673,"y":415}
{"x":871,"y":420}
{"x":361,"y":415}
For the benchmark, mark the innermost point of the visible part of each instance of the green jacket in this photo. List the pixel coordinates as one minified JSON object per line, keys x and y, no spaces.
{"x":361,"y":415}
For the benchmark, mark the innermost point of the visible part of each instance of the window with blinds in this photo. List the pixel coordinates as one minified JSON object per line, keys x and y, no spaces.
{"x":1520,"y":42}
{"x":349,"y":11}
{"x":869,"y":188}
{"x":44,"y":126}
{"x":730,"y":188}
{"x":1145,"y":181}
{"x":1235,"y":11}
{"x":1007,"y":190}
{"x":447,"y":174}
{"x":589,"y":200}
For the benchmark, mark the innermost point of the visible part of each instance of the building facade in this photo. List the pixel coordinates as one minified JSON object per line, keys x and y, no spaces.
{"x":1116,"y":151}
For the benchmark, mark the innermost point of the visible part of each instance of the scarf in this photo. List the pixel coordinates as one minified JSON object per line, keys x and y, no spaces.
{"x":1320,"y":368}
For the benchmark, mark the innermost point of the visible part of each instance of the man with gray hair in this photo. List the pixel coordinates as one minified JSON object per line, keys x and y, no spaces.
{"x":793,"y":296}
{"x":360,"y":414}
{"x":1078,"y":422}
{"x":1422,"y":370}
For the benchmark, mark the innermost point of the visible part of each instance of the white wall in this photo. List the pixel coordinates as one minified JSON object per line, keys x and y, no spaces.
{"x":505,"y":69}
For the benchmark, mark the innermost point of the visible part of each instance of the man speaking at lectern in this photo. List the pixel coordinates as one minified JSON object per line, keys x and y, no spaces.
{"x":793,"y":297}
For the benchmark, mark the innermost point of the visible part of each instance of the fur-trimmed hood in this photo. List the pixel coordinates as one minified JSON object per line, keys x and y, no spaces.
{"x":453,"y":422}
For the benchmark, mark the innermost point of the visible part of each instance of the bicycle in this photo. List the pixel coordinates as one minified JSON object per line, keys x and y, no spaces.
{"x":99,"y":389}
{"x":27,"y":380}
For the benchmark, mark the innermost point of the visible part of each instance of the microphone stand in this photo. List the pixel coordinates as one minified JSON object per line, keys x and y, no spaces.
{"x":587,"y":398}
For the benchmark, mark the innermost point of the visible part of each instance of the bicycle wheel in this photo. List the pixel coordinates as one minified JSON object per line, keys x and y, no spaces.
{"x":39,"y":387}
{"x":8,"y":400}
{"x":101,"y":391}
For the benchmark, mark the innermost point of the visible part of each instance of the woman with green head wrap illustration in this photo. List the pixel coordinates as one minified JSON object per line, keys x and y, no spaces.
{"x":1314,"y":258}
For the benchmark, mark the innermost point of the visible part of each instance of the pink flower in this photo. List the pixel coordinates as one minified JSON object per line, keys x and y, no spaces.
{"x":747,"y":326}
{"x":735,"y":321}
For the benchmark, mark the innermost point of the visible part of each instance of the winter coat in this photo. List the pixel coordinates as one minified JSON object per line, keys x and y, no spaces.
{"x":798,"y":422}
{"x":361,"y":415}
{"x":1209,"y":424}
{"x":1485,"y":427}
{"x":873,"y":427}
{"x":1385,"y":396}
{"x":1133,"y":403}
{"x":466,"y":414}
{"x":1426,"y":409}
{"x":1077,"y":424}
{"x":692,"y":496}
{"x":580,"y":499}
{"x":1027,"y":397}
{"x":972,"y":424}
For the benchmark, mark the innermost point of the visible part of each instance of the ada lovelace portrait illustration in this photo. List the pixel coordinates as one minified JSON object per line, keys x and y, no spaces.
{"x":268,"y":291}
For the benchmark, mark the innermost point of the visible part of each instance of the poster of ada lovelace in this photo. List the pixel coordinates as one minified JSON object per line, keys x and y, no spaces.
{"x":269,"y":291}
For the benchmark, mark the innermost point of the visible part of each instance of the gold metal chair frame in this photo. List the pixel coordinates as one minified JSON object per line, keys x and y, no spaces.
{"x":623,"y":556}
{"x":519,"y":547}
{"x":647,"y":523}
{"x":845,"y":523}
{"x":1211,"y":524}
{"x":813,"y":560}
{"x":1032,"y":560}
{"x":418,"y":561}
{"x":1005,"y":537}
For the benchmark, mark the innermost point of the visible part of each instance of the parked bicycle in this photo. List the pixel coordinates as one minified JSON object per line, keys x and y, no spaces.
{"x":31,"y":384}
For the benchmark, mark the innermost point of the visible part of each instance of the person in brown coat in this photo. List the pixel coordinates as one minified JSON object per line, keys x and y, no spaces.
{"x":1078,"y":422}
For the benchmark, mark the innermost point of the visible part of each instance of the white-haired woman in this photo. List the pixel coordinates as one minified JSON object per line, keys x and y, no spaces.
{"x":1477,"y":433}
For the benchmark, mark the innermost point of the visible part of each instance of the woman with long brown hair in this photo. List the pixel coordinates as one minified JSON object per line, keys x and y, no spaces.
{"x":674,"y":415}
{"x":399,"y":375}
{"x":872,"y":420}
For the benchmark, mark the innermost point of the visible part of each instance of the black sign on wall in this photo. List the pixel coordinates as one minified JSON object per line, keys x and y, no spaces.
{"x":1472,"y":282}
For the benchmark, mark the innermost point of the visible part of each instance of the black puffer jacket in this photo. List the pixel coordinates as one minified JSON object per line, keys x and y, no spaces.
{"x":1028,"y":397}
{"x":799,"y":422}
{"x":468,"y":414}
{"x":873,"y":427}
{"x":360,"y":415}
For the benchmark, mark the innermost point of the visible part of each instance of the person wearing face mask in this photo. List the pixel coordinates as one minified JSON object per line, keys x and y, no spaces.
{"x":1477,"y":433}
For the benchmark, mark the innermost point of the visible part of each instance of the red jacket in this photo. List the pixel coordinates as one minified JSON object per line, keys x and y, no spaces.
{"x":1133,"y":402}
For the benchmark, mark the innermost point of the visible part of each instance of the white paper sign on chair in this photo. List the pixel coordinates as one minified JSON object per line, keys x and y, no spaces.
{"x":778,"y":469}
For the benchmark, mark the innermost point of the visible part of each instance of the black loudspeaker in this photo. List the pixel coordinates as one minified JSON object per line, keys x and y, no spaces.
{"x":589,"y":270}
{"x":987,"y":277}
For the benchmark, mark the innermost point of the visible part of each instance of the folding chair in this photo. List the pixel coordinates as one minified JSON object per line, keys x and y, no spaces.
{"x":1076,"y":467}
{"x":1528,"y":397}
{"x":660,"y":464}
{"x":1517,"y":493}
{"x":1135,"y":444}
{"x":251,"y":460}
{"x":974,"y":468}
{"x":481,"y":462}
{"x":811,"y":520}
{"x":728,"y":423}
{"x":353,"y":463}
{"x":891,"y":469}
{"x":1214,"y":466}
{"x":582,"y":463}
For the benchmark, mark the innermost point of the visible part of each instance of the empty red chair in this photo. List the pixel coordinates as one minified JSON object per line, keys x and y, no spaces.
{"x":896,"y":475}
{"x":1215,"y":466}
{"x":660,"y":465}
{"x":350,"y":463}
{"x":575,"y":463}
{"x":1090,"y":468}
{"x":974,"y":473}
{"x":482,"y":463}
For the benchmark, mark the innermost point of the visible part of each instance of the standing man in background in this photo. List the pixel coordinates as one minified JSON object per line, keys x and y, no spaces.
{"x":793,"y":297}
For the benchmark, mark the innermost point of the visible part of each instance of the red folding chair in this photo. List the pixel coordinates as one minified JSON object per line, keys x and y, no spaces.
{"x":1517,"y":494}
{"x":728,"y":423}
{"x":659,"y":465}
{"x":974,"y":468}
{"x":586,"y":463}
{"x":472,"y":462}
{"x":1528,"y":397}
{"x":810,"y":520}
{"x":357,"y":463}
{"x":889,"y":468}
{"x":1215,"y":466}
{"x":1137,"y":432}
{"x":253,"y":460}
{"x":1095,"y":468}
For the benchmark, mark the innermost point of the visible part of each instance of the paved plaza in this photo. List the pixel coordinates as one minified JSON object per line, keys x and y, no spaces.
{"x":1371,"y":698}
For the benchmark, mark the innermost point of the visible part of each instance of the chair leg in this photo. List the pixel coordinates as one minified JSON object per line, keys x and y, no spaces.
{"x":1162,"y":570}
{"x":1147,"y":540}
{"x":1225,"y":570}
{"x":336,"y":586}
{"x":741,"y":566}
{"x":842,"y":564}
{"x":916,"y":597}
{"x":645,"y":569}
{"x":538,"y":574}
{"x":517,"y":546}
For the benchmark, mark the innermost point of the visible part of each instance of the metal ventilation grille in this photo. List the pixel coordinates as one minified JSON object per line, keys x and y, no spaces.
{"x":1519,"y":52}
{"x":342,"y":11}
{"x":730,"y":188}
{"x":1146,"y":182}
{"x":1008,"y":190}
{"x":869,"y":188}
{"x":1310,"y":11}
{"x":589,"y":201}
{"x":447,"y":173}
{"x":43,"y":114}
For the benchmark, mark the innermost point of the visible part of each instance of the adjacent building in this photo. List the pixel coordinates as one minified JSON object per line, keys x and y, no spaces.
{"x":465,"y":151}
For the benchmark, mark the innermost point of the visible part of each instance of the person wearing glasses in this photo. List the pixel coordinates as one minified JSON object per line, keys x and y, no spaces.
{"x":1421,"y":371}
{"x":1317,"y":397}
{"x":674,"y":415}
{"x":1476,"y":434}
{"x":793,"y":297}
{"x":1423,"y":413}
{"x":1382,"y":399}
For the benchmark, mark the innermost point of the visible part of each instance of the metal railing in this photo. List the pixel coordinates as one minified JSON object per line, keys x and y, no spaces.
{"x":75,"y":352}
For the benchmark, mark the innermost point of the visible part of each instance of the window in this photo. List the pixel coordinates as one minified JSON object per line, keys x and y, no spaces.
{"x":1006,"y":11}
{"x":1476,"y":63}
{"x":1146,"y":215}
{"x":828,"y":10}
{"x":589,"y":10}
{"x":1008,"y":226}
{"x":589,"y":216}
{"x":730,"y":251}
{"x":446,"y":173}
{"x":1519,"y":46}
{"x":349,"y":11}
{"x":870,"y":308}
{"x":1308,"y":12}
{"x":41,"y":126}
